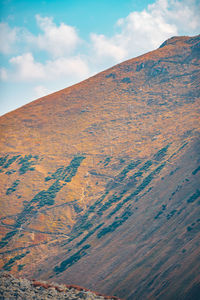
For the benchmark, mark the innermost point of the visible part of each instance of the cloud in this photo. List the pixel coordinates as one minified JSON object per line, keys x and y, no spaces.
{"x":25,"y":68}
{"x":143,"y":31}
{"x":8,"y":38}
{"x":72,"y":66}
{"x":56,"y":40}
{"x":59,"y":40}
{"x":104,"y":46}
{"x":3,"y":74}
{"x":41,"y":91}
{"x":183,"y":14}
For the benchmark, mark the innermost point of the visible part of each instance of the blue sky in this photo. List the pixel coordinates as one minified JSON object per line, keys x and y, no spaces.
{"x":48,"y":45}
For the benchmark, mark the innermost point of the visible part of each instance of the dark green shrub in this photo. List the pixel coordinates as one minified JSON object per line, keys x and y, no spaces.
{"x":170,"y":215}
{"x":3,"y":160}
{"x":196,"y":170}
{"x":7,"y":237}
{"x":146,"y":165}
{"x":71,"y":260}
{"x":10,"y":172}
{"x":113,"y":75}
{"x":158,"y":214}
{"x":126,"y":80}
{"x":108,"y":204}
{"x":194,"y":197}
{"x":20,"y":267}
{"x":118,"y":222}
{"x":55,"y":175}
{"x":10,"y":263}
{"x":107,"y":161}
{"x":161,"y":153}
{"x":68,"y":172}
{"x":132,"y":165}
{"x":140,"y":188}
{"x":89,"y":234}
{"x":10,"y":161}
{"x":26,"y":163}
{"x":13,"y":187}
{"x":77,"y":208}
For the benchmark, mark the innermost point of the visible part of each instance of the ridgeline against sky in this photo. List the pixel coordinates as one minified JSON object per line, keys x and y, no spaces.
{"x":100,"y":181}
{"x":48,"y":45}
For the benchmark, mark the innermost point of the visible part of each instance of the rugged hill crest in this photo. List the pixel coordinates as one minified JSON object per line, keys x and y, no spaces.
{"x":20,"y":288}
{"x":99,"y":181}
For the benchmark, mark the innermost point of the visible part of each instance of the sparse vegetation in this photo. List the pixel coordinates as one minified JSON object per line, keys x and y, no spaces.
{"x":77,"y":208}
{"x":158,"y":214}
{"x":194,"y":197}
{"x":47,"y":197}
{"x":10,"y":161}
{"x":118,"y":222}
{"x":67,"y":173}
{"x":13,"y":187}
{"x":171,"y":214}
{"x":161,"y":153}
{"x":71,"y":260}
{"x":10,"y":172}
{"x":196,"y":170}
{"x":113,"y":199}
{"x":20,"y":267}
{"x":126,"y":80}
{"x":26,"y":163}
{"x":111,"y":75}
{"x":55,"y":175}
{"x":43,"y":197}
{"x":146,"y":165}
{"x":8,"y":266}
{"x":132,"y":165}
{"x":3,"y":160}
{"x":106,"y":161}
{"x":91,"y":232}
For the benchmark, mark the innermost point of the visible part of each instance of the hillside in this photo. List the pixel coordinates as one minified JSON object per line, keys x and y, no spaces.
{"x":100,"y":181}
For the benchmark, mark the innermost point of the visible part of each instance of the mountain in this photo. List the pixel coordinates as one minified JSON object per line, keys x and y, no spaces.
{"x":100,"y":181}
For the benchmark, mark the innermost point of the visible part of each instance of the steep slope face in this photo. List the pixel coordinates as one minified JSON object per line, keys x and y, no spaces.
{"x":100,"y":180}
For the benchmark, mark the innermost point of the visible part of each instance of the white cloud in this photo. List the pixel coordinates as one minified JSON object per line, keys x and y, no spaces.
{"x":41,"y":91}
{"x":57,"y":40}
{"x":25,"y":68}
{"x":143,"y":31}
{"x":8,"y":37}
{"x":107,"y":47}
{"x":183,"y":14}
{"x":72,"y":66}
{"x":3,"y":74}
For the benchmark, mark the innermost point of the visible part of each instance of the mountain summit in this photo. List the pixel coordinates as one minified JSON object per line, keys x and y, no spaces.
{"x":100,"y":182}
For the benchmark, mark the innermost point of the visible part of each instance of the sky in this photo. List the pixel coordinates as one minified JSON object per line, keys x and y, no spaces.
{"x":48,"y":45}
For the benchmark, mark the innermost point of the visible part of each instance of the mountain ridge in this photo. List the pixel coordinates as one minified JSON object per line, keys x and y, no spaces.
{"x":100,"y":180}
{"x":166,"y":43}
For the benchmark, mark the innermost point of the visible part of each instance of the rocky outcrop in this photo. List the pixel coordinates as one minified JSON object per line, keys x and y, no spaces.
{"x":13,"y":288}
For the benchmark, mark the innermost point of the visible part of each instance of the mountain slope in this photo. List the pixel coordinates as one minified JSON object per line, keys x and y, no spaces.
{"x":99,"y":181}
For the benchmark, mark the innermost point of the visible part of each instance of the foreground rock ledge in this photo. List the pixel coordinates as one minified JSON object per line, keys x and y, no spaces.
{"x":13,"y":288}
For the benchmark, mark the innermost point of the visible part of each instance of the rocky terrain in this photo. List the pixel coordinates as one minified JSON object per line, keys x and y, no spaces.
{"x":100,"y":181}
{"x":12,"y":288}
